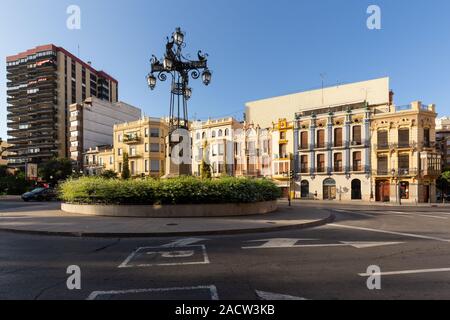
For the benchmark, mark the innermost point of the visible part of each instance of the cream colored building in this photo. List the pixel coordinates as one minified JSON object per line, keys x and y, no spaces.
{"x":97,"y":160}
{"x":333,"y":155}
{"x":253,"y":151}
{"x":92,"y":122}
{"x":145,"y":143}
{"x":265,"y":111}
{"x":405,"y":161}
{"x":217,"y":135}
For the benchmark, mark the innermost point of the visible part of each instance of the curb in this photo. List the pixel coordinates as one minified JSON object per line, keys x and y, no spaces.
{"x":312,"y":224}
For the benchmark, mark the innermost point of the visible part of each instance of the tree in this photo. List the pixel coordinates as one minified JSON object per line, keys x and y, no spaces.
{"x":2,"y":149}
{"x":56,"y":170}
{"x":205,"y":167}
{"x":126,"y":167}
{"x":109,"y":174}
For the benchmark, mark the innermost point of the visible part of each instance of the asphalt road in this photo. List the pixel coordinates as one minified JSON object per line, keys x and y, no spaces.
{"x":411,"y":245}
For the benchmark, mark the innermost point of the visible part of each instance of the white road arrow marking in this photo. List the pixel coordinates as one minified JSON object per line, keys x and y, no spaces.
{"x":182,"y":242}
{"x":277,"y":243}
{"x":276,"y":296}
{"x":291,"y":243}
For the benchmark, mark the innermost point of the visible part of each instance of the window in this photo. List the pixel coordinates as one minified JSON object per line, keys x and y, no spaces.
{"x":23,"y":126}
{"x":338,"y":137}
{"x":282,"y":135}
{"x":146,"y":165}
{"x":197,"y":136}
{"x":426,"y":138}
{"x":403,"y":138}
{"x":382,"y":137}
{"x":403,"y":164}
{"x":146,"y":147}
{"x":357,"y":135}
{"x":227,"y":132}
{"x":111,"y":160}
{"x":304,"y":140}
{"x":382,"y":165}
{"x":154,"y":147}
{"x":220,"y":133}
{"x":221,"y":149}
{"x":74,"y":123}
{"x":321,"y":139}
{"x":338,"y":162}
{"x":119,"y":151}
{"x":100,"y":161}
{"x":132,"y":151}
{"x":133,"y":168}
{"x":154,"y":165}
{"x":120,"y":137}
{"x":120,"y":167}
{"x":304,"y":164}
{"x":154,"y":132}
{"x":321,"y":163}
{"x":74,"y":134}
{"x":204,"y":135}
{"x":213,"y":134}
{"x":214,"y":150}
{"x":146,"y":131}
{"x":357,"y":164}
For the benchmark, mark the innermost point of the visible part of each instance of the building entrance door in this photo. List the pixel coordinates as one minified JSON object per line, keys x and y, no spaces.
{"x":383,"y":190}
{"x":329,"y":189}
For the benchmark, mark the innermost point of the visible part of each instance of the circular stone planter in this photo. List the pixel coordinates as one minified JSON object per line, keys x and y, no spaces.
{"x":173,"y":211}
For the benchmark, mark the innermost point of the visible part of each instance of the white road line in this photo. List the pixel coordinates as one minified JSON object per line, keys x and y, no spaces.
{"x":430,"y":216}
{"x":270,"y":296}
{"x":211,"y":288}
{"x":393,"y":273}
{"x":390,"y":232}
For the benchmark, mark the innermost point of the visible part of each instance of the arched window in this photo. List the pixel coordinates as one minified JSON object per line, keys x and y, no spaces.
{"x":227,"y":132}
{"x":329,"y":189}
{"x":198,"y":136}
{"x":220,"y":133}
{"x":204,"y":135}
{"x":213,"y":134}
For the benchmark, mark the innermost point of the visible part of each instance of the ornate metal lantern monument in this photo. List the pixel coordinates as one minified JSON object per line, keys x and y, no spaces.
{"x":180,"y":69}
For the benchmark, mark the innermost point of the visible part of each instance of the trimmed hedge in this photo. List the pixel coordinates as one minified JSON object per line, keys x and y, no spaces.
{"x":183,"y":190}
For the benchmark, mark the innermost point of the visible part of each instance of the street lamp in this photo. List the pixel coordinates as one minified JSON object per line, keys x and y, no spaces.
{"x":397,"y":187}
{"x":206,"y":77}
{"x":178,"y":36}
{"x":181,"y":70}
{"x":151,"y":81}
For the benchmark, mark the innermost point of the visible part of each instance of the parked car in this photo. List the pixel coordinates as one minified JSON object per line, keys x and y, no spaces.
{"x":40,"y":194}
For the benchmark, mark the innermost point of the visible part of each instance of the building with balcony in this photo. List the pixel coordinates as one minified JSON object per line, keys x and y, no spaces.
{"x":42,"y":83}
{"x":92,"y":123}
{"x":443,"y":140}
{"x":213,"y":140}
{"x":97,"y":160}
{"x":282,"y":138}
{"x":332,"y":152}
{"x":144,"y":141}
{"x":253,"y":151}
{"x":406,"y":162}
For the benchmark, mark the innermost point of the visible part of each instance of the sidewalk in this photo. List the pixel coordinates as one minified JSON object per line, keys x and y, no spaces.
{"x":372,"y":203}
{"x":48,"y":219}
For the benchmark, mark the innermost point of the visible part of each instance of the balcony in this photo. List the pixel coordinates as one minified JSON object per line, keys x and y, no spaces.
{"x":382,"y":146}
{"x":338,"y":168}
{"x":383,"y":172}
{"x":131,"y":139}
{"x":357,"y":168}
{"x":134,"y":155}
{"x":405,"y":145}
{"x":407,"y":172}
{"x":320,"y":169}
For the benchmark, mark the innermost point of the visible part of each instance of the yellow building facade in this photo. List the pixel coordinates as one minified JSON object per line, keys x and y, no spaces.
{"x":145,"y":143}
{"x":405,"y":161}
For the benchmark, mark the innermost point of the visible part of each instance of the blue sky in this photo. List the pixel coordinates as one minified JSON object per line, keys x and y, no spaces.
{"x":257,"y":48}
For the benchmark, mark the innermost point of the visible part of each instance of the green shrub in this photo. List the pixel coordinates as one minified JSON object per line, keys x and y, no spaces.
{"x":183,"y":190}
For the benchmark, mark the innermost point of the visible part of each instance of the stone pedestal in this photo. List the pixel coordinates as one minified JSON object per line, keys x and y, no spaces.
{"x":178,"y":160}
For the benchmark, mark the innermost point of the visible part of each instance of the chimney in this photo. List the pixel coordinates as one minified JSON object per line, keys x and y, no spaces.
{"x":391,"y":97}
